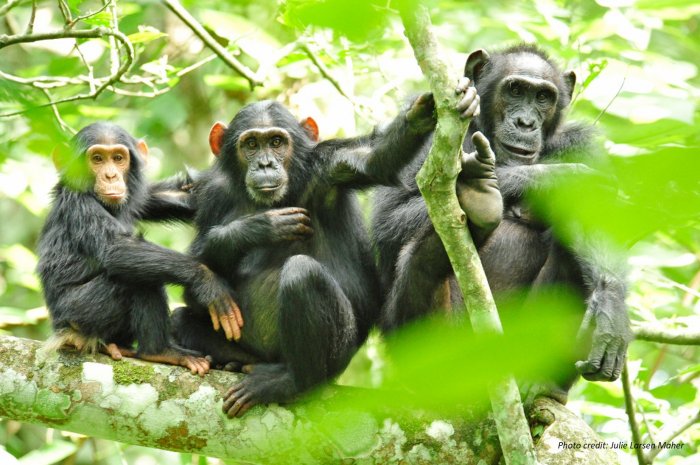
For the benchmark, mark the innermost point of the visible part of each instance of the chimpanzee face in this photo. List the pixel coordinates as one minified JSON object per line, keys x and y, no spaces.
{"x":110,"y":166}
{"x":524,"y":105}
{"x":266,"y":152}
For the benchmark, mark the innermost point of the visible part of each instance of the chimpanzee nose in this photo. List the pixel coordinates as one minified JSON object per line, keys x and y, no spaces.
{"x":264,"y":163}
{"x":525,"y":123}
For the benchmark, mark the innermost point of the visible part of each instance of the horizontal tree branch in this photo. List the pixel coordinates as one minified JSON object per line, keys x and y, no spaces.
{"x":653,"y":333}
{"x":166,"y":407}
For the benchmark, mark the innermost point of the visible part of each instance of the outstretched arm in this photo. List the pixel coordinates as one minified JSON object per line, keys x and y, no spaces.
{"x":377,"y":158}
{"x":170,"y":200}
{"x":139,"y":262}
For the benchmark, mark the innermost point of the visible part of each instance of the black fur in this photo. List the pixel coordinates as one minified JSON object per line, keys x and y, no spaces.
{"x":307,"y":303}
{"x":522,"y":252}
{"x":101,"y":280}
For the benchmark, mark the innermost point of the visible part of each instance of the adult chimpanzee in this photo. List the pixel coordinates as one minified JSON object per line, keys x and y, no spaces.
{"x":103,"y":285}
{"x":278,"y":219}
{"x":523,"y":95}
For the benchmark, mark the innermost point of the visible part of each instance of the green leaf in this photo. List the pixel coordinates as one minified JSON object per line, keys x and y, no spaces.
{"x":224,"y":81}
{"x":146,"y":35}
{"x":358,"y":20}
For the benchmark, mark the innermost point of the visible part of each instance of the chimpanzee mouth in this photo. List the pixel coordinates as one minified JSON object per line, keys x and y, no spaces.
{"x":518,"y":151}
{"x":269,"y":188}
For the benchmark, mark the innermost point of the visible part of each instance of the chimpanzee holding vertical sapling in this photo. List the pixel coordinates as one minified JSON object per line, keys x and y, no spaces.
{"x":523,"y":97}
{"x":104,"y":285}
{"x":278,"y":219}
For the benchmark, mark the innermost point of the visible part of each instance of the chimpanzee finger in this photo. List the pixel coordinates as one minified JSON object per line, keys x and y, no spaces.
{"x":608,"y":365}
{"x":467,"y":99}
{"x":619,"y":363}
{"x":230,"y":329}
{"x":462,"y":85}
{"x":470,"y":112}
{"x":240,"y":406}
{"x":484,"y":153}
{"x":236,"y":311}
{"x":291,"y":211}
{"x":589,"y":368}
{"x":213,"y":314}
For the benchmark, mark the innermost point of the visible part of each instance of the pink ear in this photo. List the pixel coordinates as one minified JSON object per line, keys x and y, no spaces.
{"x":142,"y":147}
{"x":216,"y":137}
{"x":311,"y":128}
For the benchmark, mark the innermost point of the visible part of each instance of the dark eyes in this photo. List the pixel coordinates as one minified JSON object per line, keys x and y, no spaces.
{"x":516,"y":90}
{"x":544,"y":96}
{"x":276,"y":141}
{"x":97,"y":158}
{"x":118,"y":158}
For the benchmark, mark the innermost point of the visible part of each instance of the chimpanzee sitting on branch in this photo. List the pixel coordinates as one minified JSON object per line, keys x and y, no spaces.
{"x":104,"y":285}
{"x":523,"y":96}
{"x":278,"y":219}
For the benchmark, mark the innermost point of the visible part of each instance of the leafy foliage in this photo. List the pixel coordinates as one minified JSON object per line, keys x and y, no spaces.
{"x":347,"y":65}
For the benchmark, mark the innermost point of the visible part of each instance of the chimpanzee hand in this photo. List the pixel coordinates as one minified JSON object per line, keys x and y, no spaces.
{"x":210,"y":292}
{"x":477,"y":188}
{"x":283,"y":224}
{"x":469,"y":103}
{"x":606,"y":329}
{"x":421,"y":116}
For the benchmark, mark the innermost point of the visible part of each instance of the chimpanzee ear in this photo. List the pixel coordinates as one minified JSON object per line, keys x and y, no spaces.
{"x":570,"y":80}
{"x":311,"y":128}
{"x":142,"y":148}
{"x":216,"y":137}
{"x":475,"y":64}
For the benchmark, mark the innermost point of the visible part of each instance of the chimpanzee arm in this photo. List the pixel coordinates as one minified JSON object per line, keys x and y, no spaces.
{"x":170,"y":200}
{"x":573,"y":150}
{"x":232,"y":239}
{"x":139,"y":262}
{"x":606,"y":325}
{"x":377,"y":159}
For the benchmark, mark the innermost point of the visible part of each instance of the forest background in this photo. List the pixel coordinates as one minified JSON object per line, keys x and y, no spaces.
{"x":349,"y":66}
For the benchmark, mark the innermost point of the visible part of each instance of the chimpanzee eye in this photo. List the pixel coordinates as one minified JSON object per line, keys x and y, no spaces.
{"x":97,"y":158}
{"x":118,"y":158}
{"x":543,"y":96}
{"x":251,"y":143}
{"x":515,"y":90}
{"x":276,"y":141}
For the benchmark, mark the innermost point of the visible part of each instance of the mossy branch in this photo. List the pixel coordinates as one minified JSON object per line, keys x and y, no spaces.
{"x":166,"y":407}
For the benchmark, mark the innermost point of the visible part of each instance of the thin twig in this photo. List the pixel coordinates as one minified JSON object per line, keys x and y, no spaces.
{"x":9,"y":5}
{"x":630,"y":408}
{"x":88,"y":15}
{"x":57,"y":115}
{"x":692,"y":421}
{"x":222,"y":52}
{"x":97,"y":32}
{"x":624,"y":79}
{"x":32,"y":17}
{"x":65,"y":11}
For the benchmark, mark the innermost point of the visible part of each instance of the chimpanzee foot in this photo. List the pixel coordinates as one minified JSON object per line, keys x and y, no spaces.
{"x":116,"y":352}
{"x":196,"y":365}
{"x":266,"y":383}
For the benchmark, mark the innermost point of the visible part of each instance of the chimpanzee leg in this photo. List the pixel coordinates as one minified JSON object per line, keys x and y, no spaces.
{"x":318,"y":336}
{"x":150,"y":320}
{"x":151,"y":327}
{"x":98,"y":309}
{"x":192,"y":329}
{"x":421,"y":272}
